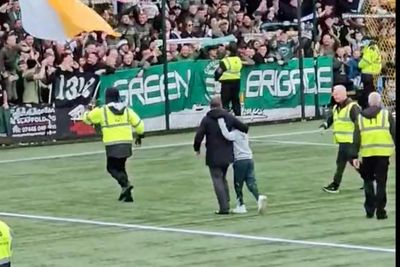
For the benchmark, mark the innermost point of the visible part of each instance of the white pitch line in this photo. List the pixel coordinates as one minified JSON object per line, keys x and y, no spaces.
{"x":197,"y":232}
{"x":70,"y":155}
{"x":297,"y":143}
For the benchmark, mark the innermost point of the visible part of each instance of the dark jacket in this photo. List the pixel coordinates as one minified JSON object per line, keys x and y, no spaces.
{"x":370,"y":113}
{"x":219,"y":151}
{"x":259,"y":59}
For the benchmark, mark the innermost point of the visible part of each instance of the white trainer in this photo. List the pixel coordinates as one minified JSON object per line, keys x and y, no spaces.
{"x":240,"y":209}
{"x":262,"y":203}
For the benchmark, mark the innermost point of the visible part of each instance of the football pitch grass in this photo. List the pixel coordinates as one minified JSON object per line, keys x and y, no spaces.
{"x":63,"y":208}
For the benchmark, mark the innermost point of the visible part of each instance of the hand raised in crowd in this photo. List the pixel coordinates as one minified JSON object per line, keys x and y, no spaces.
{"x":4,"y":8}
{"x":44,"y":62}
{"x":75,"y":65}
{"x":104,"y":36}
{"x":6,"y":27}
{"x":13,"y":78}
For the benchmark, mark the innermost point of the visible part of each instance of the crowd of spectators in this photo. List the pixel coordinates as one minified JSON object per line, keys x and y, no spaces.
{"x":266,"y":32}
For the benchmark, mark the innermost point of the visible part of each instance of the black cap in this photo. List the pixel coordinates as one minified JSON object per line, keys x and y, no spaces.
{"x":232,"y":47}
{"x":112,"y":95}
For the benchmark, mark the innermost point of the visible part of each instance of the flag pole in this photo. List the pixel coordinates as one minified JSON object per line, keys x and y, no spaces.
{"x":165,"y":63}
{"x":300,"y":49}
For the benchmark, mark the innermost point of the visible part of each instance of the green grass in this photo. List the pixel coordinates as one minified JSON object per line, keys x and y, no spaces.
{"x":173,"y":189}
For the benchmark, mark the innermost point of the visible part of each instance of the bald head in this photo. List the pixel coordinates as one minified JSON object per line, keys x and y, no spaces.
{"x":374,"y":99}
{"x":339,"y":93}
{"x":216,"y":102}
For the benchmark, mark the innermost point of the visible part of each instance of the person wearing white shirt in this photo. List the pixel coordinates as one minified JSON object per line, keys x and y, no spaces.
{"x":243,"y":168}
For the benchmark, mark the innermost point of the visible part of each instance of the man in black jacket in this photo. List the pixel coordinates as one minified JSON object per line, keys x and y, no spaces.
{"x":219,"y":151}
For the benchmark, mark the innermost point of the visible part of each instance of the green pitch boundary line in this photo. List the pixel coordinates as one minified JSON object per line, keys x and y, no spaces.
{"x":166,"y":146}
{"x":198,"y":232}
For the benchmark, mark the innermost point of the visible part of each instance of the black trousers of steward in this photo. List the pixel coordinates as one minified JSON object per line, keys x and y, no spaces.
{"x":230,"y":91}
{"x":375,"y":169}
{"x":116,"y":167}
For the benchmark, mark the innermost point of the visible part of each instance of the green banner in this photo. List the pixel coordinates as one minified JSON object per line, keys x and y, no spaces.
{"x":270,"y":86}
{"x":191,"y":83}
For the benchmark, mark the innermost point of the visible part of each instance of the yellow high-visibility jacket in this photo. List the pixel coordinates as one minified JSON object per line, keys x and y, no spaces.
{"x":233,"y":67}
{"x":5,"y":243}
{"x":371,"y":60}
{"x":116,"y":128}
{"x":343,"y":126}
{"x":376,"y":139}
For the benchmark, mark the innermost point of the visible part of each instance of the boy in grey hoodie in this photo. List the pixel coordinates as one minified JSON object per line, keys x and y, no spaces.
{"x":243,"y":168}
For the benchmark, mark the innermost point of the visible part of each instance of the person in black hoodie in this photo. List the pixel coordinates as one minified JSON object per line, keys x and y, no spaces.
{"x":219,"y":151}
{"x":376,"y":136}
{"x":116,"y":121}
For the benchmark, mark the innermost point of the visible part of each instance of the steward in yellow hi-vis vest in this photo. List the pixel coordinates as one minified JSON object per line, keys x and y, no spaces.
{"x":116,"y":121}
{"x":343,"y":118}
{"x":228,"y":74}
{"x":370,"y":65}
{"x":375,"y":133}
{"x":5,"y":245}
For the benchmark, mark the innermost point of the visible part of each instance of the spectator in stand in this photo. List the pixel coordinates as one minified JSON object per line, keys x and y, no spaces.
{"x":107,"y":16}
{"x":261,"y":56}
{"x":143,"y":29}
{"x":185,"y":53}
{"x":340,"y":68}
{"x":148,"y":58}
{"x":127,"y":30}
{"x":128,"y":61}
{"x":355,"y":42}
{"x":123,"y":47}
{"x":353,"y":71}
{"x":224,"y":27}
{"x":285,"y":47}
{"x":212,"y":53}
{"x":8,"y":66}
{"x":247,"y":26}
{"x":3,"y":110}
{"x":170,"y":33}
{"x":326,"y":47}
{"x":31,"y":74}
{"x":45,"y":83}
{"x":92,"y":63}
{"x":287,"y":11}
{"x":226,"y":14}
{"x":14,"y":13}
{"x":187,"y":31}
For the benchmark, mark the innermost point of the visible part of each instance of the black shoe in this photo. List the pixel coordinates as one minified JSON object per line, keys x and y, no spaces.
{"x":125,"y":192}
{"x":369,"y":215}
{"x":128,"y":198}
{"x":222,"y":212}
{"x":381,"y":216}
{"x":332,"y":188}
